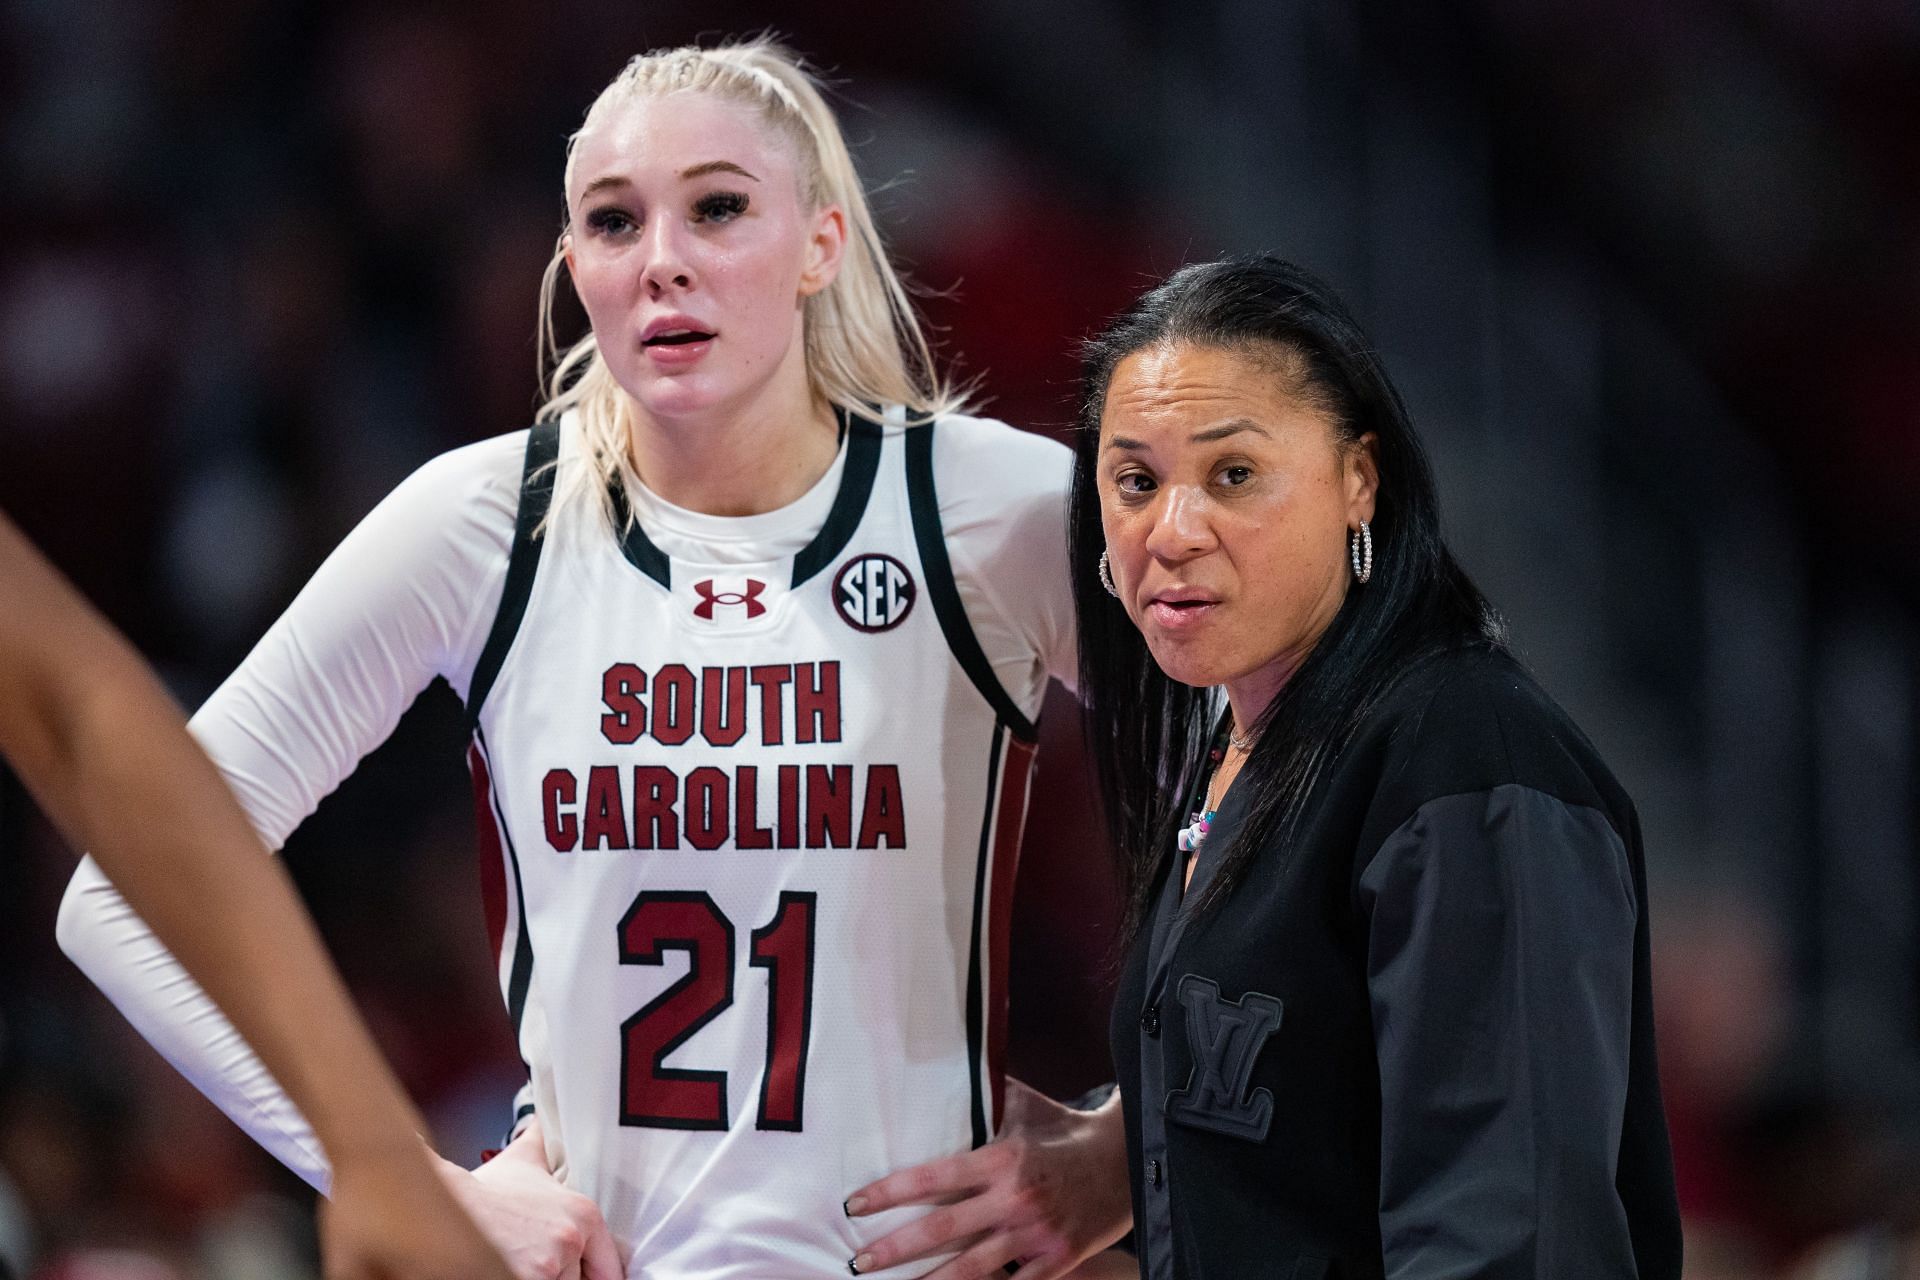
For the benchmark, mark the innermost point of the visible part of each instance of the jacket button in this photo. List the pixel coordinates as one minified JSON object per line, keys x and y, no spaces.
{"x":1153,"y":1174}
{"x":1150,"y":1020}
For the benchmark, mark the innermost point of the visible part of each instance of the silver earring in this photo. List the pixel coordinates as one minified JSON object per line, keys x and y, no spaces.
{"x":1360,"y":543}
{"x":1106,"y":577}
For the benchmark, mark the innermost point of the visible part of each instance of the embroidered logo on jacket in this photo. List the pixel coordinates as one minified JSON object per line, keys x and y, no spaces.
{"x":1226,"y":1036}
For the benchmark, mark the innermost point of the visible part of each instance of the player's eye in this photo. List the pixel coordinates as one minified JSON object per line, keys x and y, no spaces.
{"x":720,"y":206}
{"x":1235,"y":476}
{"x":1134,"y":482}
{"x":609,"y":221}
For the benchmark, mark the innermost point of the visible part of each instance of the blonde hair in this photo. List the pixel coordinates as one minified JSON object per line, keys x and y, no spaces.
{"x":864,"y":345}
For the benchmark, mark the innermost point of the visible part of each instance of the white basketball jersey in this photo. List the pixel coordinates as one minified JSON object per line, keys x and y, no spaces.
{"x":752,"y":832}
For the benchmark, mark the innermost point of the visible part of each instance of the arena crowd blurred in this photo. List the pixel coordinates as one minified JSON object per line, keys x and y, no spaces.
{"x":1649,"y":272}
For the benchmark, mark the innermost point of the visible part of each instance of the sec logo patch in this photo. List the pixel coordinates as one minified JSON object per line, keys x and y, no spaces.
{"x":873,"y":593}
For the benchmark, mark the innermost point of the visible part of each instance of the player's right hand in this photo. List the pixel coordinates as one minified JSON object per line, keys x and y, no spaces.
{"x":545,"y":1231}
{"x":390,"y":1219}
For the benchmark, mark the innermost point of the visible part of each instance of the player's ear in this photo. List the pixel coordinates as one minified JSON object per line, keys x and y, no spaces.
{"x":826,"y":250}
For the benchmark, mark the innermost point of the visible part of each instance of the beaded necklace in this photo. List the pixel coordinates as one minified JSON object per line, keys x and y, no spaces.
{"x":1194,"y":834}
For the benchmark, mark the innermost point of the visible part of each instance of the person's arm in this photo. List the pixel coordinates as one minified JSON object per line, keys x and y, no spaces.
{"x":1003,"y":508}
{"x":399,"y":601}
{"x":105,"y":752}
{"x":1500,"y":966}
{"x":408,"y":595}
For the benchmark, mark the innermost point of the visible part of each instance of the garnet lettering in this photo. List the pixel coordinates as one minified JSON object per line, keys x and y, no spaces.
{"x":608,"y":805}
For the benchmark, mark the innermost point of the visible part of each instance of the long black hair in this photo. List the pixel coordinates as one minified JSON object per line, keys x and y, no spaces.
{"x":1151,"y":734}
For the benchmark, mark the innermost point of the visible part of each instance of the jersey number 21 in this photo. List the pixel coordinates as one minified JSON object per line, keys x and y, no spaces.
{"x":664,"y":1097}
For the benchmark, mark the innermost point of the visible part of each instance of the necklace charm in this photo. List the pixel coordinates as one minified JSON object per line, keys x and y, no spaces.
{"x":1191,"y":836}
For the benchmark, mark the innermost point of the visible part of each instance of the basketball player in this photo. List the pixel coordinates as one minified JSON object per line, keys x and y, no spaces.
{"x":103,"y":750}
{"x":752,"y":629}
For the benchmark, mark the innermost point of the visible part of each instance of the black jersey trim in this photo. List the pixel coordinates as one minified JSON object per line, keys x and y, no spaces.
{"x":924,"y":500}
{"x":536,"y":497}
{"x":520,"y":979}
{"x":850,"y":504}
{"x":976,"y":998}
{"x":635,"y":545}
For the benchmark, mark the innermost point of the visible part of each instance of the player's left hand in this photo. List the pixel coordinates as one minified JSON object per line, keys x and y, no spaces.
{"x":1050,"y":1191}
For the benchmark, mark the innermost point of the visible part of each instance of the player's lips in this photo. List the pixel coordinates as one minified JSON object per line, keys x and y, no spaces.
{"x":677,"y":339}
{"x":1179,"y":608}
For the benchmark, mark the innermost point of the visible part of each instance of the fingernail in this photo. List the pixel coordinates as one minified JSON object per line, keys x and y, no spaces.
{"x":861,"y":1261}
{"x":854,"y":1205}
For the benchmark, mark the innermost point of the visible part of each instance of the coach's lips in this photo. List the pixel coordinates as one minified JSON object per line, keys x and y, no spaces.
{"x":1180,"y":607}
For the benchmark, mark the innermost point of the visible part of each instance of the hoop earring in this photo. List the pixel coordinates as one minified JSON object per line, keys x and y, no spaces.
{"x":1360,"y":544}
{"x":1106,"y":577}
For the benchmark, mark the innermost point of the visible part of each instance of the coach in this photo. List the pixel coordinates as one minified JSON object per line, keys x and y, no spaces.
{"x":1386,"y":1005}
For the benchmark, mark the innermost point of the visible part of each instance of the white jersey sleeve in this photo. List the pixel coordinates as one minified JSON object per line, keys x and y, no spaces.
{"x":1003,"y":505}
{"x":407,"y":596}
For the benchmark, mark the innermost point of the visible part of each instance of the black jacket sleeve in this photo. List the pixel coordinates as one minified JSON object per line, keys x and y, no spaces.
{"x":1500,"y":953}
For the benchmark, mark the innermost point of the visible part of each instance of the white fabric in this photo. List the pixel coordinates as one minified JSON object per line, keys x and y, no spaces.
{"x":411,"y":594}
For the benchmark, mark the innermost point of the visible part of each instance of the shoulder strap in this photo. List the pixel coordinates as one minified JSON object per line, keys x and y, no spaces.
{"x":849,"y":504}
{"x":924,"y":501}
{"x":536,"y":497}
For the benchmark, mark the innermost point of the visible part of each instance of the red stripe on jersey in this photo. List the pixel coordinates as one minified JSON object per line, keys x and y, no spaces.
{"x":493,"y":859}
{"x":1016,"y":772}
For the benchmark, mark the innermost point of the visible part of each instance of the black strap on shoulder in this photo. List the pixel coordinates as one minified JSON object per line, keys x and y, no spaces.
{"x":536,"y":496}
{"x":635,"y":545}
{"x":924,"y":501}
{"x":856,"y":486}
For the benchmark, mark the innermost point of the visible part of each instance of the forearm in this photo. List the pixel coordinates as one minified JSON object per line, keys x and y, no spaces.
{"x":105,"y":752}
{"x":173,"y":841}
{"x":108,"y":941}
{"x":1107,"y":1129}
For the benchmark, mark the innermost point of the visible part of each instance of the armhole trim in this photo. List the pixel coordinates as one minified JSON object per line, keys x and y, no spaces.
{"x":928,"y":536}
{"x":536,"y":498}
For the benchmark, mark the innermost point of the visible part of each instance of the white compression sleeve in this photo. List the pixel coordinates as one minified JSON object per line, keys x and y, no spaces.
{"x":407,"y":596}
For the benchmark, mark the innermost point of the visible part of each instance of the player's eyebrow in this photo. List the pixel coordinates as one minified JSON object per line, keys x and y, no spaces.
{"x":716,"y":166}
{"x":601,"y":184}
{"x":700,"y":170}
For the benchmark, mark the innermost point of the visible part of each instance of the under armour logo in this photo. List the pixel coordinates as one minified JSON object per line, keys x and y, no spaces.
{"x":1226,"y":1037}
{"x":709,"y":598}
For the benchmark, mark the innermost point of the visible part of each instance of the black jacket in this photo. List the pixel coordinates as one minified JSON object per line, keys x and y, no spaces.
{"x":1420,"y":1041}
